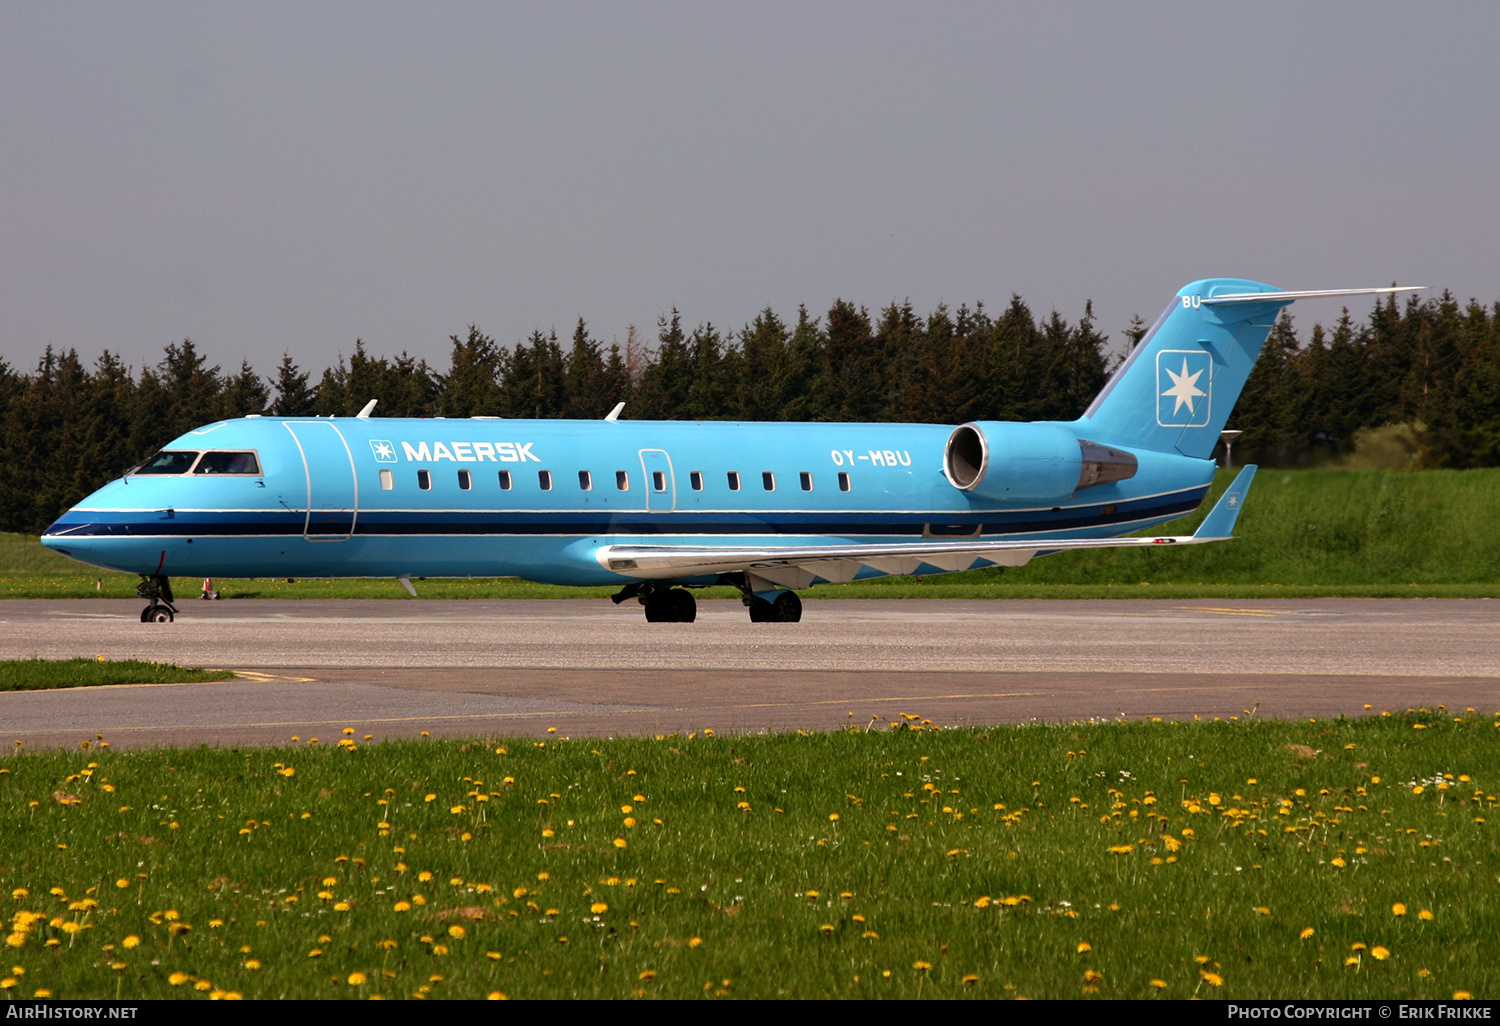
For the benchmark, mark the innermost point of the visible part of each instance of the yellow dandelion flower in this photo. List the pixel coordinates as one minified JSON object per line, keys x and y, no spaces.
{"x":357,"y":979}
{"x":870,"y":935}
{"x":619,"y":842}
{"x":1425,"y":914}
{"x":402,"y":906}
{"x":826,"y":928}
{"x":1398,"y":909}
{"x":122,"y":883}
{"x":1462,"y":995}
{"x":971,"y":978}
{"x":456,"y":932}
{"x":1380,"y":953}
{"x":341,"y":906}
{"x":1159,"y":984}
{"x":649,"y":974}
{"x":1306,"y":933}
{"x":694,"y":942}
{"x":177,"y":979}
{"x":1352,"y":960}
{"x":1212,"y":979}
{"x":497,"y":995}
{"x":252,"y":964}
{"x":1084,"y":947}
{"x":598,"y":908}
{"x":130,"y":942}
{"x":982,"y":902}
{"x":921,"y":966}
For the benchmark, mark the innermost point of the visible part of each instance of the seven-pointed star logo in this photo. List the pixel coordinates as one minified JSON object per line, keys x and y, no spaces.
{"x":1184,"y":388}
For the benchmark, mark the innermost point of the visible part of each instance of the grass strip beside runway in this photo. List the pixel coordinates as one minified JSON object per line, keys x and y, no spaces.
{"x":48,"y":674}
{"x":1233,"y":859}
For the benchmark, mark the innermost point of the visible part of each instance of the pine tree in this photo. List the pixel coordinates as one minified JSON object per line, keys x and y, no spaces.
{"x":471,"y":387}
{"x":293,"y":396}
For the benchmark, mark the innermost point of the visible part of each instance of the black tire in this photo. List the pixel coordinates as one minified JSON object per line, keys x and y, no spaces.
{"x":659,"y":607}
{"x":762,"y":611}
{"x":788,"y":607}
{"x":684,"y":606}
{"x":146,"y":614}
{"x":161,"y":615}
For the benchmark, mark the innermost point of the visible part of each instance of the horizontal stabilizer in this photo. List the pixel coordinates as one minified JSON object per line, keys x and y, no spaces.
{"x":1287,"y":297}
{"x":1220,"y":521}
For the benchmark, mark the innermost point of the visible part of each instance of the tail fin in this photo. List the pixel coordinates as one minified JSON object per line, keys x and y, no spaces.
{"x":1176,"y":389}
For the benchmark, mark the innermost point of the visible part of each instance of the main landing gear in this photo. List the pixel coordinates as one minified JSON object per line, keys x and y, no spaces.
{"x":663,"y":605}
{"x":666,"y":604}
{"x":157,"y":590}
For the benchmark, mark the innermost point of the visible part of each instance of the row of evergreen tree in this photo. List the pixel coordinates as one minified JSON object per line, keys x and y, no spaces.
{"x":65,"y":429}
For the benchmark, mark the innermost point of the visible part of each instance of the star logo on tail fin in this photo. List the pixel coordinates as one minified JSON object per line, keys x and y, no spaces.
{"x":1184,"y":387}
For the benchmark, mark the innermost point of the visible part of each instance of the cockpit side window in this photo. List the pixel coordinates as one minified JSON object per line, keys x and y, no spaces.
{"x":168,"y":461}
{"x":228,"y":463}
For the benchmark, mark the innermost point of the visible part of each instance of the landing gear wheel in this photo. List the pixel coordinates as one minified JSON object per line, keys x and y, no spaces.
{"x":672,"y":606}
{"x":786,"y":609}
{"x":157,"y":590}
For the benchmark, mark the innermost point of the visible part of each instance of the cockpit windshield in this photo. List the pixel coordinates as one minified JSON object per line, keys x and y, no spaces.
{"x":227,"y":463}
{"x":184,"y":461}
{"x":168,"y":461}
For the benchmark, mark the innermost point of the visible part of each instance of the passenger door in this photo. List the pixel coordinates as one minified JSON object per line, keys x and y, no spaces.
{"x":332,"y":490}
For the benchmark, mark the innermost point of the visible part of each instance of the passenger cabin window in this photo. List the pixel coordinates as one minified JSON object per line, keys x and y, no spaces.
{"x":585,"y":480}
{"x":768,"y":481}
{"x":464,"y":480}
{"x":843,"y":481}
{"x":622,"y":480}
{"x":387,"y":480}
{"x":424,"y":480}
{"x":505,"y":480}
{"x":696,"y":479}
{"x":173,"y":461}
{"x":228,"y":463}
{"x":544,"y":478}
{"x":806,"y":479}
{"x":658,"y":481}
{"x":734,"y":480}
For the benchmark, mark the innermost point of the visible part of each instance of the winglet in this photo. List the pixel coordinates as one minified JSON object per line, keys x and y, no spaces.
{"x":364,"y":414}
{"x":614,"y":414}
{"x":1220,"y":521}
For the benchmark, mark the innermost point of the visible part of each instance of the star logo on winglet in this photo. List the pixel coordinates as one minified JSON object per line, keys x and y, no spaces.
{"x":1184,"y":388}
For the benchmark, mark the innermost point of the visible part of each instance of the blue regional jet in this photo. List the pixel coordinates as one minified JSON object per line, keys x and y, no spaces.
{"x":659,"y":507}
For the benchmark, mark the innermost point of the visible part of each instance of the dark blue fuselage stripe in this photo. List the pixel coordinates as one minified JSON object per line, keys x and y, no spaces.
{"x":373,"y":523}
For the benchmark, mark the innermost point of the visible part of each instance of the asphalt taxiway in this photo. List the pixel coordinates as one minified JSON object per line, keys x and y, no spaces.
{"x":589,"y":668}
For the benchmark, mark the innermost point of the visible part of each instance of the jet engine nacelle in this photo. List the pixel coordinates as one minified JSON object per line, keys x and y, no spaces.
{"x":1029,"y":462}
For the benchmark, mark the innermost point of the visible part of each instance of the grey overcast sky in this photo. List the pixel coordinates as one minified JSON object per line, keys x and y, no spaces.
{"x":267,"y":177}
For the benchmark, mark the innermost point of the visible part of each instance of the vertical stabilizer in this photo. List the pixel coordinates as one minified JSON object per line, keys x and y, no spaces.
{"x":1176,"y":389}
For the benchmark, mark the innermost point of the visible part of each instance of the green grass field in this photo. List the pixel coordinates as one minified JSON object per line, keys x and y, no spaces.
{"x":1304,"y":533}
{"x":50,"y":674}
{"x":1235,"y":859}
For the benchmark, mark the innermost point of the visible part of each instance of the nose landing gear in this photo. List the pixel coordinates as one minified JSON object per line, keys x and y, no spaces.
{"x":157,"y":590}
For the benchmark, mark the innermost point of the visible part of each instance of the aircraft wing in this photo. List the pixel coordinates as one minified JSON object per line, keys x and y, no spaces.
{"x":802,"y":566}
